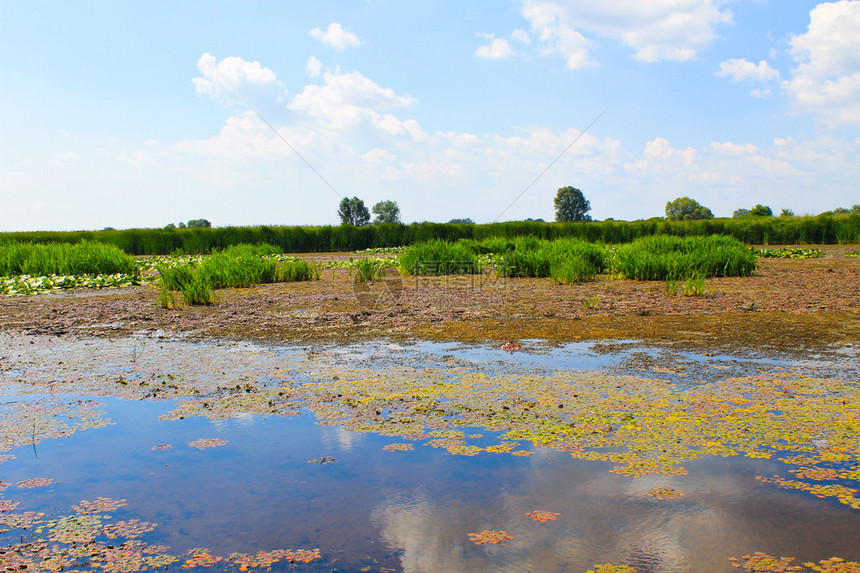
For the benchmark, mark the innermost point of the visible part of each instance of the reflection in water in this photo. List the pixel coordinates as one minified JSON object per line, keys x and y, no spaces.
{"x":413,"y":510}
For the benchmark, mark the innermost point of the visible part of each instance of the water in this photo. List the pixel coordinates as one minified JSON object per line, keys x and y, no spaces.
{"x":88,"y":413}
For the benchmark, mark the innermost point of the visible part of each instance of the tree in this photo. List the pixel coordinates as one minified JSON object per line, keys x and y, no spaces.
{"x":465,"y":221}
{"x":570,"y":205}
{"x":761,"y":211}
{"x":353,"y":212}
{"x":199,"y":223}
{"x":386,"y":212}
{"x":787,"y":213}
{"x":855,"y":208}
{"x":686,"y":209}
{"x":841,"y":211}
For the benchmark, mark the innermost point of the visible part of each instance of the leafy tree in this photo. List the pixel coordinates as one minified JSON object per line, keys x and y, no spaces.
{"x":571,"y":205}
{"x":841,"y":211}
{"x":199,"y":223}
{"x":465,"y":221}
{"x":353,"y":212}
{"x":786,"y":213}
{"x":686,"y":209}
{"x":182,"y":225}
{"x":741,"y":213}
{"x":761,"y":211}
{"x":386,"y":212}
{"x":855,"y":208}
{"x":170,"y":226}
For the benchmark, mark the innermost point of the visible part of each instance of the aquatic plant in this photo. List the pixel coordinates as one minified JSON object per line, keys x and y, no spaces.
{"x":566,"y":261}
{"x":439,"y":258}
{"x":789,"y":253}
{"x":664,"y":257}
{"x":368,"y":269}
{"x":58,"y":259}
{"x":694,"y":285}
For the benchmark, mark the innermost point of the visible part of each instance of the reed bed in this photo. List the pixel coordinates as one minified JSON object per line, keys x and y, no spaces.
{"x":439,"y":257}
{"x":821,"y":229}
{"x":86,"y":258}
{"x":566,"y":261}
{"x":240,"y":266}
{"x":673,"y":258}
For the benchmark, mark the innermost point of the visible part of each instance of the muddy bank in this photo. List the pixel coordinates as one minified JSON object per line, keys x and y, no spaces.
{"x":787,"y":305}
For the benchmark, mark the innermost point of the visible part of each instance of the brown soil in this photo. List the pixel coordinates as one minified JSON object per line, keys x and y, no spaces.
{"x":787,"y":305}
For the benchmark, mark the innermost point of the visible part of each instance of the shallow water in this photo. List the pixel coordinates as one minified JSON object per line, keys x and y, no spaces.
{"x":311,"y":472}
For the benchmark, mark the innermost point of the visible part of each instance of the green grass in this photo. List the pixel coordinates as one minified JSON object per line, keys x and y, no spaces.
{"x":238,"y":267}
{"x":666,"y":258}
{"x":566,"y":261}
{"x":439,"y":258}
{"x":821,"y":229}
{"x":368,"y":269}
{"x":63,"y":259}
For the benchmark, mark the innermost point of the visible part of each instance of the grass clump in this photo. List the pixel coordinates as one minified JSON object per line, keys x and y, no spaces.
{"x":439,"y":257}
{"x":63,"y":259}
{"x":367,"y":269}
{"x":239,"y":266}
{"x":666,"y":258}
{"x":566,"y":261}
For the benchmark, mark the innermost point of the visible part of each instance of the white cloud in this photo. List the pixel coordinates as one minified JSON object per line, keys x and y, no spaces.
{"x":740,"y":69}
{"x":235,"y":80}
{"x":521,"y":36}
{"x":314,"y":67}
{"x":826,"y":80}
{"x":656,"y":30}
{"x":498,"y":49}
{"x":336,"y":37}
{"x":358,"y":133}
{"x":352,"y":101}
{"x":137,"y":158}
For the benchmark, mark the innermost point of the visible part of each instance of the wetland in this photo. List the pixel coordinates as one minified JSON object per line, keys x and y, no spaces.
{"x":438,"y":423}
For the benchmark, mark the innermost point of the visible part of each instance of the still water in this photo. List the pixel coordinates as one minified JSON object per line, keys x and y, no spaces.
{"x":293,"y":457}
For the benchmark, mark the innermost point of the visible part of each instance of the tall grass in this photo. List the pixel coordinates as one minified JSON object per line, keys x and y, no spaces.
{"x":822,"y":229}
{"x":239,"y":266}
{"x":565,"y":260}
{"x":439,"y":258}
{"x":672,"y":258}
{"x":84,"y":258}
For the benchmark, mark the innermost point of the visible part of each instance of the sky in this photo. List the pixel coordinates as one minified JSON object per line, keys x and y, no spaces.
{"x":138,"y":114}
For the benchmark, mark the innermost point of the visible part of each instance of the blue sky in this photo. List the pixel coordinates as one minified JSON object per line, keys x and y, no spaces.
{"x":139,"y":114}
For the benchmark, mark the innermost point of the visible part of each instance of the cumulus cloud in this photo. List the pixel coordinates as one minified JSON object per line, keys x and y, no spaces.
{"x":235,"y":80}
{"x":352,"y":129}
{"x":655,"y":30}
{"x":497,"y":49}
{"x":826,"y":80}
{"x":336,"y":37}
{"x":351,"y":100}
{"x":739,"y":70}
